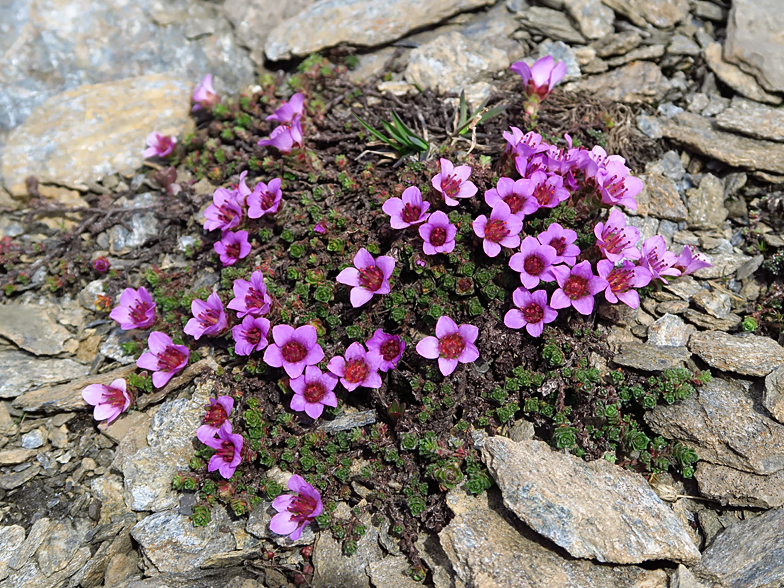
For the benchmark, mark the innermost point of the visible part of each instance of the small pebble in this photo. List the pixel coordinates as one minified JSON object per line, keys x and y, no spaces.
{"x":34,"y":439}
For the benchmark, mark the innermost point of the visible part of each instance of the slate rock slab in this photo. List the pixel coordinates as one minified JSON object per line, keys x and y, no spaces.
{"x":32,"y":328}
{"x":641,"y":81}
{"x":663,"y":198}
{"x":669,"y":331}
{"x":754,"y":40}
{"x":735,"y":77}
{"x":20,"y":371}
{"x":739,"y":488}
{"x":651,"y":358}
{"x":773,"y":396}
{"x":752,"y":119}
{"x":593,"y":510}
{"x":334,"y":569}
{"x":706,"y":203}
{"x":750,"y":355}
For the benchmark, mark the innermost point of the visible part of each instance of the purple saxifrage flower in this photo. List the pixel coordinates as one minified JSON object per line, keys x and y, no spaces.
{"x":109,"y":401}
{"x":562,"y":240}
{"x":250,"y":335}
{"x":218,"y":411}
{"x":356,"y":368}
{"x":452,"y":344}
{"x":313,"y":390}
{"x":294,"y":512}
{"x":101,"y":264}
{"x":453,"y":182}
{"x":289,"y":133}
{"x":209,"y":317}
{"x":228,"y":451}
{"x":438,"y":234}
{"x":532,"y":312}
{"x":622,"y":281}
{"x":501,"y":229}
{"x":225,"y":212}
{"x":577,"y":288}
{"x":204,"y":95}
{"x":164,"y":358}
{"x":540,"y":78}
{"x":368,"y":277}
{"x":265,"y":199}
{"x":615,"y":240}
{"x":657,"y":260}
{"x":689,"y":261}
{"x":517,"y":195}
{"x":387,"y":347}
{"x":293,"y":349}
{"x":250,"y":297}
{"x":136,"y":309}
{"x":408,"y":210}
{"x":160,"y":145}
{"x":534,"y":262}
{"x":548,"y":191}
{"x":617,"y":187}
{"x":232,"y":247}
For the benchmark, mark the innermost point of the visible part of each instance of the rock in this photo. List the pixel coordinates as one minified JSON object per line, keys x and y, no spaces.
{"x":495,"y":27}
{"x":15,"y":456}
{"x":754,"y":41}
{"x":662,"y":13}
{"x":721,"y":423}
{"x":16,"y":479}
{"x":594,"y":19}
{"x":451,"y":61}
{"x":707,"y":321}
{"x":66,"y":397}
{"x":392,"y":571}
{"x":748,"y":553}
{"x":749,"y":355}
{"x":669,"y":331}
{"x":489,"y":547}
{"x":641,"y":81}
{"x":649,"y":126}
{"x":344,"y":422}
{"x":773,"y":396}
{"x":6,"y":422}
{"x":335,"y":569}
{"x":560,"y":51}
{"x":737,"y":488}
{"x":11,"y":538}
{"x":62,"y":143}
{"x":35,"y":537}
{"x":706,"y":203}
{"x":34,"y":439}
{"x":736,"y":78}
{"x":663,"y":198}
{"x":651,"y":358}
{"x":627,"y":9}
{"x":112,"y":347}
{"x":32,"y":328}
{"x":682,"y":45}
{"x":618,"y":44}
{"x":683,"y":578}
{"x":647,"y":52}
{"x":749,"y":267}
{"x":752,"y":119}
{"x":359,"y":22}
{"x":550,"y":23}
{"x":593,"y":510}
{"x":144,"y":228}
{"x":714,"y":302}
{"x":696,"y":132}
{"x":58,"y":548}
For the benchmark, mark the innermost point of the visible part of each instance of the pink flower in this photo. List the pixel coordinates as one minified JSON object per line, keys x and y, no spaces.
{"x":533,"y":312}
{"x":251,"y":335}
{"x":208,"y":317}
{"x":136,"y":309}
{"x":265,"y":199}
{"x":518,"y":195}
{"x":534,"y":262}
{"x":293,"y":349}
{"x":389,"y":348}
{"x":368,"y":277}
{"x":224,"y":213}
{"x":622,"y":281}
{"x":109,"y":401}
{"x":232,"y":247}
{"x":250,"y":297}
{"x":594,"y":162}
{"x":524,"y":145}
{"x":294,"y":512}
{"x":410,"y":210}
{"x":562,"y":240}
{"x":243,"y":191}
{"x":615,"y":240}
{"x":101,"y":264}
{"x":657,"y":260}
{"x":617,"y":187}
{"x":502,"y":229}
{"x":289,"y":132}
{"x":229,"y":449}
{"x":578,"y":286}
{"x":204,"y":95}
{"x":452,"y":344}
{"x":540,"y":78}
{"x":357,"y":368}
{"x":288,"y":111}
{"x":164,"y":358}
{"x":160,"y":145}
{"x":689,"y":262}
{"x":453,"y":182}
{"x":217,"y":414}
{"x":313,"y":391}
{"x":548,"y":191}
{"x":438,"y":234}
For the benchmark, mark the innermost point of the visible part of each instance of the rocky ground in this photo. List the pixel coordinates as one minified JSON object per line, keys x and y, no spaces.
{"x":697,"y":83}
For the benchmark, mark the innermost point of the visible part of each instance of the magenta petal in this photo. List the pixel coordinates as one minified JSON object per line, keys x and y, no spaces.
{"x":160,"y":379}
{"x":535,"y":329}
{"x":349,"y":277}
{"x":447,"y":366}
{"x":298,"y":403}
{"x":282,"y":334}
{"x":514,"y":319}
{"x":560,"y":300}
{"x":583,"y":305}
{"x":359,"y":296}
{"x":445,"y":326}
{"x":273,"y":356}
{"x":93,"y":394}
{"x":147,"y":361}
{"x":106,"y":411}
{"x":282,"y":523}
{"x":314,"y":410}
{"x":428,"y":347}
{"x":469,"y":354}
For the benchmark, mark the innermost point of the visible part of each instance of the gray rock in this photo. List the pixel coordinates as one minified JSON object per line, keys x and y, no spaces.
{"x":11,"y":538}
{"x":112,"y":346}
{"x":663,"y":198}
{"x":714,"y":302}
{"x":335,"y":569}
{"x":550,"y":23}
{"x":144,"y":228}
{"x":618,"y":44}
{"x":754,"y":41}
{"x":648,"y":226}
{"x":641,"y":81}
{"x":594,"y":19}
{"x":35,"y":537}
{"x":671,"y":307}
{"x":682,"y":45}
{"x":773,"y":396}
{"x":359,"y":22}
{"x":749,"y":266}
{"x":647,"y":52}
{"x":749,"y":355}
{"x":683,"y":578}
{"x":58,"y":548}
{"x":16,"y":479}
{"x":344,"y":422}
{"x":593,"y":510}
{"x":707,"y":321}
{"x":696,"y":132}
{"x":739,"y":488}
{"x":662,"y":13}
{"x":672,"y":166}
{"x":752,"y":119}
{"x":669,"y":331}
{"x":392,"y":571}
{"x":649,"y":126}
{"x":627,"y":9}
{"x":34,"y":439}
{"x":708,"y":10}
{"x":684,"y":287}
{"x":749,"y":553}
{"x":495,"y":27}
{"x":33,"y":329}
{"x":560,"y":51}
{"x":651,"y":358}
{"x":735,"y":77}
{"x":716,"y":105}
{"x":721,"y":423}
{"x":706,"y":203}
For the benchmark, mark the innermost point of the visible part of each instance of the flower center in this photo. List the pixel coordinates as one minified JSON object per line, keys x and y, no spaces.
{"x":356,"y":371}
{"x":437,"y":237}
{"x":451,"y":346}
{"x":576,"y":287}
{"x":559,"y":245}
{"x":514,"y":202}
{"x":390,"y":350}
{"x":371,"y":278}
{"x":209,"y":318}
{"x":226,"y":214}
{"x":138,"y":311}
{"x":233,"y":250}
{"x":495,"y":230}
{"x":253,"y":335}
{"x":226,"y":452}
{"x":450,"y":186}
{"x":533,"y":313}
{"x":619,"y":280}
{"x":267,"y":199}
{"x":255,"y":298}
{"x":113,"y":396}
{"x":170,"y":359}
{"x":302,"y":507}
{"x":544,"y":194}
{"x":411,"y":213}
{"x":616,"y":242}
{"x":533,"y":266}
{"x":314,"y":392}
{"x":216,"y":415}
{"x":293,"y":352}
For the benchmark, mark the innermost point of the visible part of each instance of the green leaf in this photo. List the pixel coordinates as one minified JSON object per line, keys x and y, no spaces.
{"x":463,"y":109}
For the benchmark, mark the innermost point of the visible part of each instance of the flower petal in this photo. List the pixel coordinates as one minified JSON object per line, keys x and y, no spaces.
{"x":428,"y":347}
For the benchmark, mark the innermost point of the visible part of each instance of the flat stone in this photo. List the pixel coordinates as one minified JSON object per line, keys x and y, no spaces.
{"x":739,"y":488}
{"x":749,"y":355}
{"x":662,"y":13}
{"x":647,"y":52}
{"x":696,"y":132}
{"x":627,"y":9}
{"x":735,"y":77}
{"x":335,"y":569}
{"x":494,"y":27}
{"x":392,"y":571}
{"x":16,"y":479}
{"x":61,"y":142}
{"x":754,"y":40}
{"x":359,"y":22}
{"x":663,"y":199}
{"x":593,"y":510}
{"x":650,"y":358}
{"x":748,"y":553}
{"x":15,"y":456}
{"x":649,"y":126}
{"x":618,"y":44}
{"x":682,"y":45}
{"x":752,"y":119}
{"x":58,"y":548}
{"x":112,"y":346}
{"x":773,"y":396}
{"x":32,"y":328}
{"x":347,"y":421}
{"x":641,"y":81}
{"x":553,"y":24}
{"x":706,"y":203}
{"x":669,"y":331}
{"x":712,"y":323}
{"x":34,"y":439}
{"x":721,"y":423}
{"x":594,"y":19}
{"x":11,"y":538}
{"x":714,"y":302}
{"x":35,"y":537}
